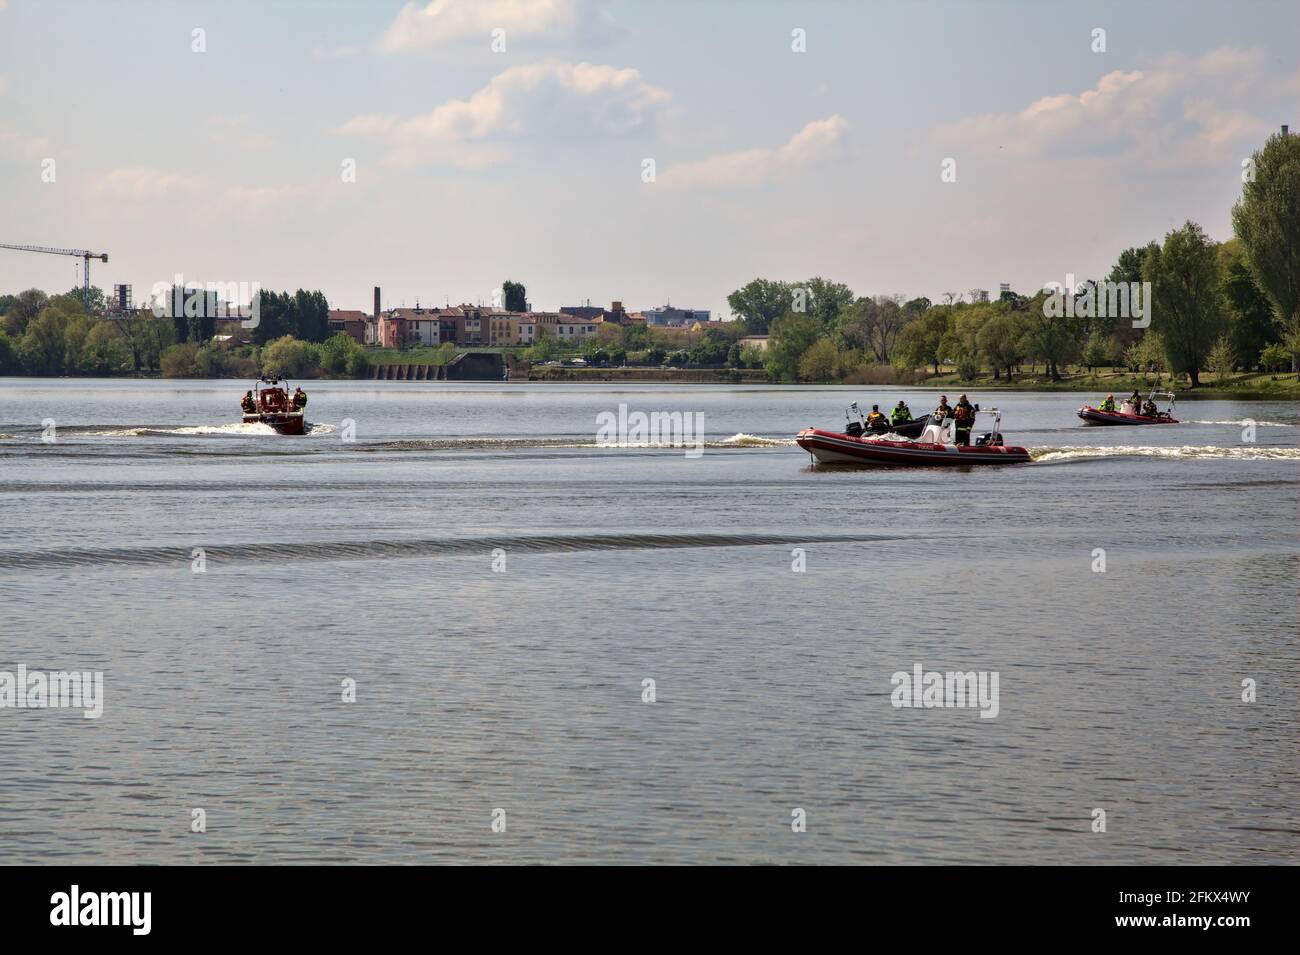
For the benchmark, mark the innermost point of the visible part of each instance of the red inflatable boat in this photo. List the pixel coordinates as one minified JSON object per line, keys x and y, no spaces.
{"x":1091,"y":415}
{"x":834,"y":447}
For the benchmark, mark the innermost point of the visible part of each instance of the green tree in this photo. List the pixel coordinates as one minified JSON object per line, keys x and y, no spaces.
{"x":515,"y":295}
{"x":1184,"y":279}
{"x":1274,"y":357}
{"x":43,"y":345}
{"x":1248,"y":310}
{"x":179,"y":361}
{"x":23,"y":310}
{"x":918,"y":342}
{"x":289,"y":357}
{"x":1221,"y":359}
{"x":1267,"y":220}
{"x":819,"y":361}
{"x":791,"y":336}
{"x":8,"y":355}
{"x":105,"y":351}
{"x":1001,"y":342}
{"x":759,"y":303}
{"x":824,"y":300}
{"x":1047,"y":338}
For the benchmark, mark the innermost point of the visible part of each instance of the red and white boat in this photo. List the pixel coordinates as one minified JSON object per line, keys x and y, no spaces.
{"x":935,"y":447}
{"x":274,"y":406}
{"x":1091,"y":415}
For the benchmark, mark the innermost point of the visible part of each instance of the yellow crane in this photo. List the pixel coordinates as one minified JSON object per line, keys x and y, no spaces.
{"x":84,"y":254}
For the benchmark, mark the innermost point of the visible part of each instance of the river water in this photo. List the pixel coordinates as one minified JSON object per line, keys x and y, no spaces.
{"x":230,"y":584}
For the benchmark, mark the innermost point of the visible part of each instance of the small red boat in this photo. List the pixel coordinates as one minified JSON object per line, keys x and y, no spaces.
{"x":274,"y":406}
{"x":935,"y":447}
{"x":1091,"y":415}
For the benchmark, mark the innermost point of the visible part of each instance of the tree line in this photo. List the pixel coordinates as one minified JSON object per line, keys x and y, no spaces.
{"x":42,"y":334}
{"x":1213,"y":306}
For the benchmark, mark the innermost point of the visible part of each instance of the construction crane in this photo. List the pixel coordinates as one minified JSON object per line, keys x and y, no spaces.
{"x":84,"y":254}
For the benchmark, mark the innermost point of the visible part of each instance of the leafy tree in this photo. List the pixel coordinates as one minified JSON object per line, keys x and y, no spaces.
{"x":1272,"y":357}
{"x":1100,"y":350}
{"x":917,"y":307}
{"x":43,"y":347}
{"x":818,"y":362}
{"x":825,"y":299}
{"x":918,"y":342}
{"x":515,"y":295}
{"x":792,"y":335}
{"x":1248,"y":310}
{"x":759,"y":303}
{"x":1267,"y":220}
{"x":1222,"y":359}
{"x":8,"y":355}
{"x":179,"y":361}
{"x":656,"y":354}
{"x":1184,"y":281}
{"x":1047,"y":338}
{"x":23,"y":310}
{"x":1000,"y":341}
{"x":289,"y":357}
{"x":105,"y":351}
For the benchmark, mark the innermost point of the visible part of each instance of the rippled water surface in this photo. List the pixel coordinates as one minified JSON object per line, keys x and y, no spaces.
{"x":521,"y":689}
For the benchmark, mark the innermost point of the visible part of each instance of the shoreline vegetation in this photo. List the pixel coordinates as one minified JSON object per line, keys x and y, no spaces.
{"x":1186,"y":314}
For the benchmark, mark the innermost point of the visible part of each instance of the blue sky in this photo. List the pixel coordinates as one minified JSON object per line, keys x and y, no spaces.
{"x":474,"y":166}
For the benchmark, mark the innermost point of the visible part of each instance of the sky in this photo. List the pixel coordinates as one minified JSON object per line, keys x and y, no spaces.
{"x":649,"y":152}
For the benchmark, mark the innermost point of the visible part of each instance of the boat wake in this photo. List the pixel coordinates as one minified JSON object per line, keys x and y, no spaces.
{"x":1245,"y":421}
{"x":1243,"y":453}
{"x":743,"y":440}
{"x":237,"y":554}
{"x":235,"y":429}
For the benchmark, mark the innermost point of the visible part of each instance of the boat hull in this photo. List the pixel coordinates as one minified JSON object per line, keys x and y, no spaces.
{"x":284,"y":422}
{"x":832,"y":447}
{"x":1092,"y":415}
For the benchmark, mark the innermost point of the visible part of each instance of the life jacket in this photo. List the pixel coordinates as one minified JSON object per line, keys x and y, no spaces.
{"x":1108,"y":404}
{"x":875,"y":418}
{"x":300,"y":400}
{"x":964,"y":413}
{"x":943,"y":411}
{"x":900,"y":414}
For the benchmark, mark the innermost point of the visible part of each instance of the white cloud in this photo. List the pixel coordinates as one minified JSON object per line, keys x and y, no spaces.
{"x":820,"y":139}
{"x":442,"y":21}
{"x":146,"y":182}
{"x":569,"y":100}
{"x":19,"y":146}
{"x":1176,"y":107}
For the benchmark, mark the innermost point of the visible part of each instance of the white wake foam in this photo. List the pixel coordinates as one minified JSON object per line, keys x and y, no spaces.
{"x":1243,"y":453}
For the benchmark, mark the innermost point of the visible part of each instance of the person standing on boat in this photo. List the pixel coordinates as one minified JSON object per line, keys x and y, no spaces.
{"x":1134,"y":403}
{"x":300,"y":400}
{"x":876,"y":420}
{"x":943,"y":411}
{"x":900,"y":414}
{"x":247,"y":403}
{"x":1108,"y":404}
{"x":964,"y":414}
{"x":1149,"y":409}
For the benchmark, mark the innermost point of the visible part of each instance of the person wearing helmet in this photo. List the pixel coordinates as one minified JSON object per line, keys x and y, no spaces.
{"x":1108,"y":404}
{"x":247,"y":403}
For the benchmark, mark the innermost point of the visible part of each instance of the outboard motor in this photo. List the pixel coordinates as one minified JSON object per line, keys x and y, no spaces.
{"x":989,"y":439}
{"x":853,"y":429}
